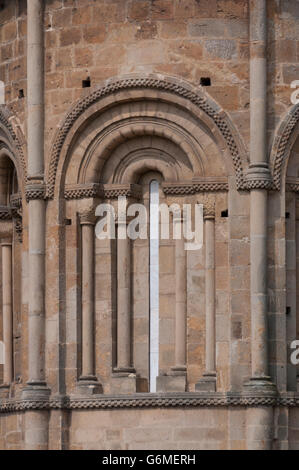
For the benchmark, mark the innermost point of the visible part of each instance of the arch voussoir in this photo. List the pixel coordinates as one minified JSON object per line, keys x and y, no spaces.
{"x":162,"y":84}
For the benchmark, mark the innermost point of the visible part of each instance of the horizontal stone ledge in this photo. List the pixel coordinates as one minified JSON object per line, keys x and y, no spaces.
{"x":149,"y":400}
{"x":112,"y":191}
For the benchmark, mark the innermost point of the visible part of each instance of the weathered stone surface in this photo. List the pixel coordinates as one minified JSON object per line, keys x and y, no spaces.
{"x":125,"y":134}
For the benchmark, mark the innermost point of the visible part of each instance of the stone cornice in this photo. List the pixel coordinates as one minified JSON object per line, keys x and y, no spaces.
{"x":198,"y":185}
{"x":102,"y":191}
{"x":113,"y":191}
{"x":148,"y":400}
{"x":82,"y":191}
{"x":292,"y":184}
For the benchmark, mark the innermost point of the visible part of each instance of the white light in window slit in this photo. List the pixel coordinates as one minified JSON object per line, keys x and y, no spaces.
{"x":154,"y":284}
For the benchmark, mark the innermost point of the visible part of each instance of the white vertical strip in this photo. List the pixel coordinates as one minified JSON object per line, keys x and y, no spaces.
{"x":154,"y":284}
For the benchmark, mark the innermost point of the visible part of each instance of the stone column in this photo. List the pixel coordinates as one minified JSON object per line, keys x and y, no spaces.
{"x":35,"y":193}
{"x":7,"y":310}
{"x":208,"y":381}
{"x":123,"y":301}
{"x":88,"y":379}
{"x":258,"y":182}
{"x":124,"y":376}
{"x":176,"y":380}
{"x":180,"y":301}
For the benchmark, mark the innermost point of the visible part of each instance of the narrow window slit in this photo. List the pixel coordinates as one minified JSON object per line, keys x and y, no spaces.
{"x":154,"y":284}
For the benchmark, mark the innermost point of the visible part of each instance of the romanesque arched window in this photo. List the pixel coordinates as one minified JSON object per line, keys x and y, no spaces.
{"x":10,"y":235}
{"x":123,"y":141}
{"x":292,"y":260}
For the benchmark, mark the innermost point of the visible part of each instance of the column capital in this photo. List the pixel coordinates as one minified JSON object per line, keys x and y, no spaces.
{"x":208,"y":202}
{"x":35,"y":189}
{"x":258,"y":176}
{"x":87,"y":217}
{"x":5,"y":213}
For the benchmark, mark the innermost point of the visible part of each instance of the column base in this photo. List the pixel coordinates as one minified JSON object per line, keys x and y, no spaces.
{"x":4,"y":391}
{"x":207,"y":383}
{"x":35,"y":390}
{"x":88,"y":385}
{"x":262,"y":384}
{"x":175,"y":381}
{"x":125,"y":381}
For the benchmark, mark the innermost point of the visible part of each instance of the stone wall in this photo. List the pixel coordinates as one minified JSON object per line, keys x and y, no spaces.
{"x":175,"y":44}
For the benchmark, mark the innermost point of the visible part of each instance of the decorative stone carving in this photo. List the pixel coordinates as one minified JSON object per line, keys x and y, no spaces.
{"x":189,"y":399}
{"x":210,"y":186}
{"x":82,"y":191}
{"x":87,"y":217}
{"x":16,"y":200}
{"x":5,"y":213}
{"x":258,"y":177}
{"x":178,"y":188}
{"x":35,"y":191}
{"x":206,"y":184}
{"x":16,"y":212}
{"x":208,"y":202}
{"x":113,"y":191}
{"x":169,"y":84}
{"x":292,"y":184}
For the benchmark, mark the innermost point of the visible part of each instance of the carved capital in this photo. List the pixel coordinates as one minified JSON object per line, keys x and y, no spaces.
{"x":35,"y":190}
{"x":16,"y":200}
{"x":16,"y":211}
{"x":87,"y":217}
{"x":18,"y":228}
{"x":5,"y":213}
{"x":208,"y":202}
{"x":258,"y":177}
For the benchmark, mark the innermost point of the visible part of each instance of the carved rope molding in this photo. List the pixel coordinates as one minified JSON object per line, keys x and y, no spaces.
{"x":4,"y":120}
{"x":281,"y":143}
{"x":188,"y":399}
{"x":164,"y":84}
